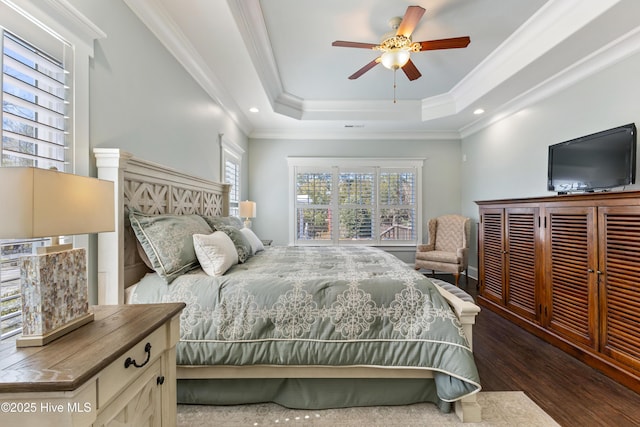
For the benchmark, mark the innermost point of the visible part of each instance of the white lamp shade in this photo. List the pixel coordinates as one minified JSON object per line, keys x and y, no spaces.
{"x":395,"y":58}
{"x":248,"y":209}
{"x":45,"y":203}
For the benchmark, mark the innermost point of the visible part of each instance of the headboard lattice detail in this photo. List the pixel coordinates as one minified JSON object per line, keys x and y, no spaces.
{"x":186,"y":202}
{"x":144,"y":197}
{"x":213,"y":204}
{"x":151,"y":189}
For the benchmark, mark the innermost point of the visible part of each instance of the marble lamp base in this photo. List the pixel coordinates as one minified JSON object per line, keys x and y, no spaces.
{"x":55,"y":297}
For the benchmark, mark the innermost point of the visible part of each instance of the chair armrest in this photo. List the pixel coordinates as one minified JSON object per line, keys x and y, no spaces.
{"x":463,"y":255}
{"x":425,"y":248}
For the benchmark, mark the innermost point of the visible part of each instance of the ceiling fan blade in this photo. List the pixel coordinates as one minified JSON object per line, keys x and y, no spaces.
{"x":341,"y":43}
{"x":410,"y":20}
{"x":364,"y":69}
{"x":453,"y":43}
{"x":411,"y":71}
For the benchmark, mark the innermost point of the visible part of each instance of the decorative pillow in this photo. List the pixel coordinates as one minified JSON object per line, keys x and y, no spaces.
{"x":215,"y":222}
{"x":242,"y":245}
{"x":216,"y":252}
{"x":254,"y":241}
{"x":143,"y":255}
{"x":167,"y":241}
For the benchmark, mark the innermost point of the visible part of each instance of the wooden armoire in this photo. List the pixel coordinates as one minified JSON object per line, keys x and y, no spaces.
{"x":567,"y":268}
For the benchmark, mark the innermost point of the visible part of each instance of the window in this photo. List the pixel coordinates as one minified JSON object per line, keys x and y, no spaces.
{"x":232,"y":176}
{"x":35,"y":127}
{"x":231,"y":155}
{"x":33,"y":106}
{"x":355,"y":201}
{"x":313,"y":205}
{"x":397,"y":204}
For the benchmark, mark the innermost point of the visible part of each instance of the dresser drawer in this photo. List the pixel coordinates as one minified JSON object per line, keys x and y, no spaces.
{"x":138,"y":404}
{"x":116,"y":376}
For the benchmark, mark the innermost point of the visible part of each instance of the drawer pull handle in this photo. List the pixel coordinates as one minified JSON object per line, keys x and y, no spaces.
{"x":130,"y":361}
{"x":160,"y":380}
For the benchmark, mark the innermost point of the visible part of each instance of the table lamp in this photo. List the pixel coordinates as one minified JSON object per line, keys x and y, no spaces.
{"x":39,"y":203}
{"x":247,"y":210}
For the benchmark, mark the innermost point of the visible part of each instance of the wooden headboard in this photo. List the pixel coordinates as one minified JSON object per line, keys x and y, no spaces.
{"x":149,"y":188}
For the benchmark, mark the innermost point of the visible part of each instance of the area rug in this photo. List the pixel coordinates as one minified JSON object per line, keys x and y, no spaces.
{"x":504,"y":409}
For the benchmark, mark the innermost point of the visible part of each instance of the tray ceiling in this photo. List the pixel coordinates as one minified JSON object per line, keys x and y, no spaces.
{"x":276,"y":55}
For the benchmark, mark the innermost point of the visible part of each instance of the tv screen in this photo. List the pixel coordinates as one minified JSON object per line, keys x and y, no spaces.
{"x":594,"y":162}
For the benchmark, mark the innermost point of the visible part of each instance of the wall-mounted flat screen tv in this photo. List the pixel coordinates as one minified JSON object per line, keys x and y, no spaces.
{"x":594,"y":162}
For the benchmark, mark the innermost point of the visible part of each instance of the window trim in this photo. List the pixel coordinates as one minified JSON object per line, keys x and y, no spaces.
{"x":335,"y":163}
{"x":230,"y":151}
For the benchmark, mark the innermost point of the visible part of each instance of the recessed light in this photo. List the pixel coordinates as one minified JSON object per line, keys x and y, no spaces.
{"x":478,"y":111}
{"x":254,"y":110}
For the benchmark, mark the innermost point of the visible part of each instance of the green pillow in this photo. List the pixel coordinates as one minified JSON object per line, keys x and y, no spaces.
{"x":167,"y":240}
{"x":220,"y":221}
{"x":243,"y":247}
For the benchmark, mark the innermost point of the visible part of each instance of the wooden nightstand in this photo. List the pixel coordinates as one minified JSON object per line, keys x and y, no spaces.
{"x":119,"y":369}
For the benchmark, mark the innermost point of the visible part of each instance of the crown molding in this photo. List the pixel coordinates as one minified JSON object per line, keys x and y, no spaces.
{"x":439,"y":106}
{"x":288,"y":105}
{"x":553,"y":23}
{"x":159,"y":22}
{"x":249,"y":18}
{"x":382,"y":110}
{"x":605,"y":57}
{"x":354,"y":134}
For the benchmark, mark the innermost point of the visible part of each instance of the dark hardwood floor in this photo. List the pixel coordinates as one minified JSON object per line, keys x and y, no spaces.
{"x":574,"y":394}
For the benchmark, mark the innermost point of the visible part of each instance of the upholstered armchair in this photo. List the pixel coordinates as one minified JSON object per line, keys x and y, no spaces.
{"x":448,"y":246}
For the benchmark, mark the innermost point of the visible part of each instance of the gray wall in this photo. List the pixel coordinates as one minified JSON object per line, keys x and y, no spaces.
{"x":144,"y":102}
{"x":509,"y":158}
{"x":269,"y":179}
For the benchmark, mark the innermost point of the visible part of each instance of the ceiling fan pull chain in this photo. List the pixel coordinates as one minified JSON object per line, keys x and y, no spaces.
{"x":394,"y":85}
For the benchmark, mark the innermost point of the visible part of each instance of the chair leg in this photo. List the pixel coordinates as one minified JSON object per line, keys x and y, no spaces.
{"x":457,"y":276}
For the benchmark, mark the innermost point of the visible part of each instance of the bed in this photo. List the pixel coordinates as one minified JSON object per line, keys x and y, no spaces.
{"x":302,"y":326}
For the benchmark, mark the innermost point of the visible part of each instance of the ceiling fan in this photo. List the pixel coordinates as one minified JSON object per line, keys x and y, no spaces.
{"x":396,"y":48}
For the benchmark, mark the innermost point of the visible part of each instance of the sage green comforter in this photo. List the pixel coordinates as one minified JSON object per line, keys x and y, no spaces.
{"x":343,"y":306}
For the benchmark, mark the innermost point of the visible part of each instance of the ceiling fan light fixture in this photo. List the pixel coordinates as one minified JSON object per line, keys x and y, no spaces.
{"x":395,"y":58}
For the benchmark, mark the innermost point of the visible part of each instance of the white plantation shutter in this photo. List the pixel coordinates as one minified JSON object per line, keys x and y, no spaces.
{"x":344,"y":202}
{"x":397,"y":204}
{"x":34,"y":133}
{"x":313,"y":211}
{"x":232,"y":176}
{"x":33,"y":107}
{"x":357,"y":209}
{"x":231,"y":155}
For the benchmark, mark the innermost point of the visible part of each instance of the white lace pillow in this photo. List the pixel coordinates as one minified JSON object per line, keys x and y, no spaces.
{"x":254,"y":241}
{"x":216,"y":252}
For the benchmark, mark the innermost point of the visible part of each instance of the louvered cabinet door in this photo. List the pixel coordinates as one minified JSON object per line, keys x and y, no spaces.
{"x":522,"y":252}
{"x":571,"y":283}
{"x":620,"y":283}
{"x":491,"y":251}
